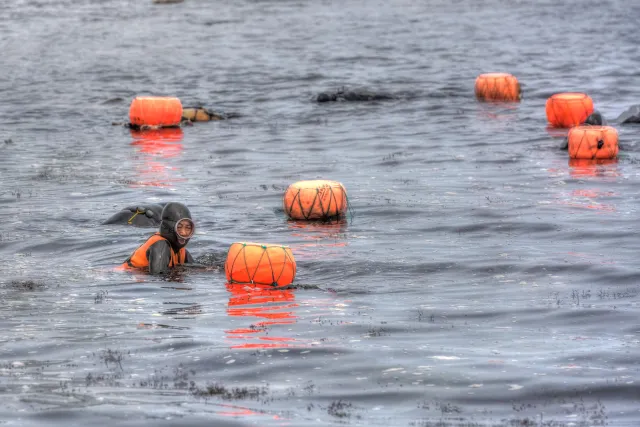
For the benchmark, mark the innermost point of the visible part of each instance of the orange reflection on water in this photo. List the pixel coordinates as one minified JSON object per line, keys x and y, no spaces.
{"x":586,"y":198}
{"x":157,"y":145}
{"x":269,"y":306}
{"x":238,"y":411}
{"x":579,"y":168}
{"x":326,"y":235}
{"x":163,"y":142}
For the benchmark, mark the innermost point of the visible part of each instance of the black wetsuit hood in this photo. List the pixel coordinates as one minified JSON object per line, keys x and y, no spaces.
{"x":171,"y":214}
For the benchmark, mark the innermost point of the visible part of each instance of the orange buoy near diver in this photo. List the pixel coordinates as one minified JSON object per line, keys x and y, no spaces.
{"x":316,"y":199}
{"x":260,"y":264}
{"x":497,"y":87}
{"x":155,"y":111}
{"x":568,"y":109}
{"x":593,"y":142}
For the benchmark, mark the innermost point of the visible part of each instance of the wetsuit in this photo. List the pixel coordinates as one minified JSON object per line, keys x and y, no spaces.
{"x":165,"y":249}
{"x":138,"y":216}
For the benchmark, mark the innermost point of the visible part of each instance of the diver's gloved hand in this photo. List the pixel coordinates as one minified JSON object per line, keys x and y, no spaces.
{"x":141,"y":210}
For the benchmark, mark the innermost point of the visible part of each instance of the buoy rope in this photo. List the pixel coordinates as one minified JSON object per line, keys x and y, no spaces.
{"x":274,"y":281}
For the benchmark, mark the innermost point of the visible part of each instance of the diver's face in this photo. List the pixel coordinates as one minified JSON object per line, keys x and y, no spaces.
{"x":184,"y":229}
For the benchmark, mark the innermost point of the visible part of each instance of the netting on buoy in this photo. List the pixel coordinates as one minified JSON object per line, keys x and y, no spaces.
{"x":497,"y":87}
{"x":593,"y":142}
{"x":155,"y":111}
{"x":569,"y":109}
{"x":317,"y":199}
{"x":260,"y":263}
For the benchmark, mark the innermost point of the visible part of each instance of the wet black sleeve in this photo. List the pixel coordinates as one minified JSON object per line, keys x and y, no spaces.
{"x":149,"y":216}
{"x":188,"y":258}
{"x":159,"y":256}
{"x":119,"y":218}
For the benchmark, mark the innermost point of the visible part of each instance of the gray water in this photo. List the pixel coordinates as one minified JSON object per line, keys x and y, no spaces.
{"x":480,"y":280}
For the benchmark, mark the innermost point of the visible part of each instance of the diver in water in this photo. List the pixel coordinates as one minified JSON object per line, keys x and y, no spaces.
{"x":166,"y":249}
{"x":138,"y":216}
{"x":632,"y":115}
{"x":201,"y":114}
{"x":344,"y":94}
{"x":189,"y":116}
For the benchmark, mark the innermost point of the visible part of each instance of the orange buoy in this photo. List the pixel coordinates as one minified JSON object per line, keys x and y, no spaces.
{"x":497,"y":87}
{"x":155,"y":111}
{"x":317,"y":199}
{"x":593,"y":142}
{"x":565,"y":110}
{"x":260,"y":264}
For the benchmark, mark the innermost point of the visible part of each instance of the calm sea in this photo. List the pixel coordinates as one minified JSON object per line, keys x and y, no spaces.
{"x":480,"y":279}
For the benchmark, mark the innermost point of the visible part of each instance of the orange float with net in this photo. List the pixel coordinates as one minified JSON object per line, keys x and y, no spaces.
{"x":155,"y":111}
{"x":497,"y":87}
{"x":565,"y":110}
{"x":593,"y":142}
{"x":260,"y":264}
{"x":317,"y":199}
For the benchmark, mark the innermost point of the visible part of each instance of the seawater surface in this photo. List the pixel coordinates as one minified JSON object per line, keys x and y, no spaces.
{"x":480,"y":279}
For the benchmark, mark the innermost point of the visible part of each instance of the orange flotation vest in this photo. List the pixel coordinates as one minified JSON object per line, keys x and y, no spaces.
{"x":138,"y":258}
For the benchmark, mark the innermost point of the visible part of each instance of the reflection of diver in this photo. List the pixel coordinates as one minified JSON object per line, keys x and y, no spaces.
{"x":166,"y":249}
{"x":138,"y":216}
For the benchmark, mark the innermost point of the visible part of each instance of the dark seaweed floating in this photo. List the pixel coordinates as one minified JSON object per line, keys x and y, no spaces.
{"x":356,"y":95}
{"x":212,"y":259}
{"x":100,"y":297}
{"x":112,"y":356}
{"x":189,"y":310}
{"x":26,"y":285}
{"x":236,"y":393}
{"x":340,"y":409}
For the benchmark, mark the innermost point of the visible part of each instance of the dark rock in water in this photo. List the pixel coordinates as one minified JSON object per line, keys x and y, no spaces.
{"x":353,"y":95}
{"x":631,"y":115}
{"x":138,"y":216}
{"x":595,"y":119}
{"x":565,"y":144}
